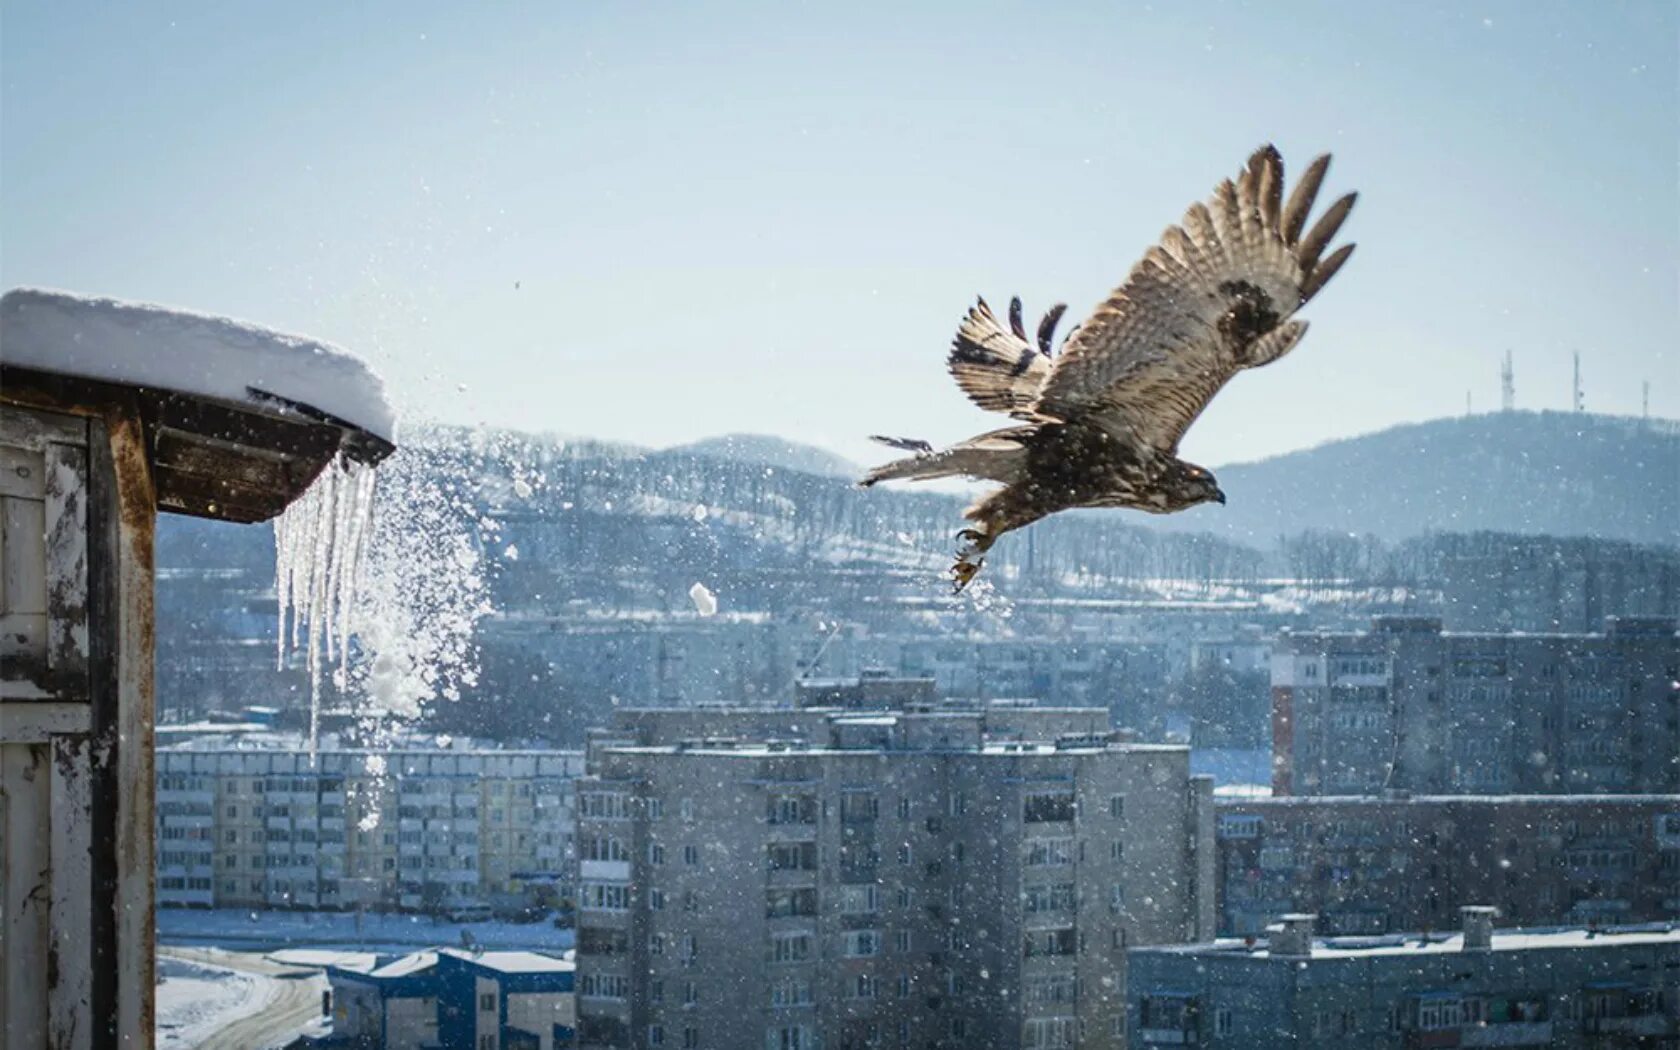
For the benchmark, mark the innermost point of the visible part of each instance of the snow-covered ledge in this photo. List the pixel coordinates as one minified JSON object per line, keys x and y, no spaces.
{"x":239,"y":418}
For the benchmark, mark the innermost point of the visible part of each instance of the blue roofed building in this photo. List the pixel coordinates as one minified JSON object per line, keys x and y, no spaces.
{"x":454,"y":999}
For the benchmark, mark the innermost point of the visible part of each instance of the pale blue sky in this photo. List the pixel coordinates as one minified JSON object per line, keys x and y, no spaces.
{"x":769,"y":217}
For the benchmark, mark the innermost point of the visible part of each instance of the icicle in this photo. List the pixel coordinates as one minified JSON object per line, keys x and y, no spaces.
{"x":318,"y":542}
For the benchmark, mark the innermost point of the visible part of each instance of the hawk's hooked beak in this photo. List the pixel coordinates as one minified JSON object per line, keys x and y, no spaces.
{"x":1219,"y":496}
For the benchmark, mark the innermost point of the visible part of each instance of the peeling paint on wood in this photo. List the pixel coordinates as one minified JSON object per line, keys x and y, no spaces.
{"x":65,"y":498}
{"x":69,"y":967}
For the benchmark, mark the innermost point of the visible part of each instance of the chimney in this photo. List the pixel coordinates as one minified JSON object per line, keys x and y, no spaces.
{"x":1291,"y":935}
{"x":1477,"y":921}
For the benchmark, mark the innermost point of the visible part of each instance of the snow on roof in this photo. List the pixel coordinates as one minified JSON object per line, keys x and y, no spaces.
{"x":1504,"y":940}
{"x":407,"y":964}
{"x":512,"y":962}
{"x":141,"y":344}
{"x":322,"y":957}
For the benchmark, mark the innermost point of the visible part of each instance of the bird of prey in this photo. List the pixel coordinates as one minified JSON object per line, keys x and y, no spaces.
{"x":1098,"y":424}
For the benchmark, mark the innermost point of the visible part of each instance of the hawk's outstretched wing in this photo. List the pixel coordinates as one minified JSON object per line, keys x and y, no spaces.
{"x":998,"y":368}
{"x":1214,"y":297}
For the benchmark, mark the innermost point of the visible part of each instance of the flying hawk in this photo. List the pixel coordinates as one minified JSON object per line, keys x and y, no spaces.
{"x":1100,"y":422}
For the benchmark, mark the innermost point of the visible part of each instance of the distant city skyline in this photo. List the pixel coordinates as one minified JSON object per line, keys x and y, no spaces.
{"x":658,"y":224}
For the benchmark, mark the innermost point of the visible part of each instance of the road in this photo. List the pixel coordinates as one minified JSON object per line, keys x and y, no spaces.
{"x":295,"y":1000}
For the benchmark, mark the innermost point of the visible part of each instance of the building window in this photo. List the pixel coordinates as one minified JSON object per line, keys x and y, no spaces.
{"x":790,"y":947}
{"x":901,"y":940}
{"x":1222,"y":1024}
{"x":1048,"y":1033}
{"x":791,"y":856}
{"x":780,"y":903}
{"x":691,"y":1038}
{"x":487,"y":1003}
{"x":1042,"y":807}
{"x":858,"y":807}
{"x":862,"y":943}
{"x":860,"y":900}
{"x":691,"y":855}
{"x":791,"y":1037}
{"x":1117,"y":806}
{"x":1049,"y":853}
{"x":656,"y":1035}
{"x":1057,"y":941}
{"x":656,"y":853}
{"x":792,"y":809}
{"x":1048,"y":897}
{"x":791,"y":991}
{"x":1038,"y":991}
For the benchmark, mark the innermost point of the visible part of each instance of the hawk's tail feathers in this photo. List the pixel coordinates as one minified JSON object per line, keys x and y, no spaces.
{"x":997,"y":456}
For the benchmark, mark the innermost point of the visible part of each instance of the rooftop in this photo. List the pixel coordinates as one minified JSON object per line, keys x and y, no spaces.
{"x":1307,"y":801}
{"x":1414,"y":944}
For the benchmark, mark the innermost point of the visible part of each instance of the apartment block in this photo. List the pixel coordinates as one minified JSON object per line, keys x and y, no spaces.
{"x":1376,"y":865}
{"x":899,"y":881}
{"x":401,"y":829}
{"x":1557,"y":987}
{"x":1410,"y":707}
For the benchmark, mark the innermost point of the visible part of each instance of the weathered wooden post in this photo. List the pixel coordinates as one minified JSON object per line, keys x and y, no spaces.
{"x":109,"y":413}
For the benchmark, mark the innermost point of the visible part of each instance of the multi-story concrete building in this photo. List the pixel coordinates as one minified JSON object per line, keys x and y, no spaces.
{"x":1376,"y":865}
{"x":414,"y":829}
{"x":1406,"y":706}
{"x":900,"y":882}
{"x":1555,"y":987}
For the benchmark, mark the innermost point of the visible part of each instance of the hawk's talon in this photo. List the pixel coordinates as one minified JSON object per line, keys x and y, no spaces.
{"x":963,"y":572}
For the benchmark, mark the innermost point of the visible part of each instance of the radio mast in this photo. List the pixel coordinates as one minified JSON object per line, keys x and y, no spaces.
{"x":1507,"y":386}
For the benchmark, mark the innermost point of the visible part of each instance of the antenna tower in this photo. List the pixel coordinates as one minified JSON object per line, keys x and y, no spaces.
{"x":1580,"y":402}
{"x":1645,"y":400}
{"x":1507,"y":385}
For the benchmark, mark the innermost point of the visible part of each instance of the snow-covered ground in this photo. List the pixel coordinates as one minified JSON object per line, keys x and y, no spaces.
{"x":194,"y":1000}
{"x":274,"y":930}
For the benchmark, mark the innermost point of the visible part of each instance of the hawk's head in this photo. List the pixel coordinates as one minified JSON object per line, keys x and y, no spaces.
{"x":1185,"y":485}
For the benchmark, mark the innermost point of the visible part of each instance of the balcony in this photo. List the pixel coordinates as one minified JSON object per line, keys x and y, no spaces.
{"x":605,"y":870}
{"x":1166,"y":1037}
{"x":1512,"y":1033}
{"x":1639,"y":1024}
